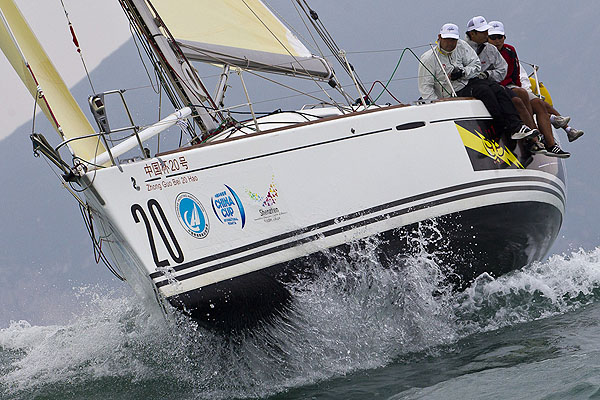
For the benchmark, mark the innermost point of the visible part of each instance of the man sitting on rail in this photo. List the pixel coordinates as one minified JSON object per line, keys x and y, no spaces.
{"x":519,"y":83}
{"x":453,"y":66}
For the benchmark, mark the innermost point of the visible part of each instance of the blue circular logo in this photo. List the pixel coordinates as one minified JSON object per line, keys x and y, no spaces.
{"x":191,"y":215}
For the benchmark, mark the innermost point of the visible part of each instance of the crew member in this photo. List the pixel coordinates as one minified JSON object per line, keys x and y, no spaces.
{"x":453,"y":64}
{"x":518,"y":82}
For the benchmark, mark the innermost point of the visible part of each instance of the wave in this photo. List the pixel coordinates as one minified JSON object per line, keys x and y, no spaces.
{"x":355,"y":316}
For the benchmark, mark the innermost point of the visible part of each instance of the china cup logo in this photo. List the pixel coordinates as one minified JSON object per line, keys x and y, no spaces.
{"x":228,"y":208}
{"x":191,"y":215}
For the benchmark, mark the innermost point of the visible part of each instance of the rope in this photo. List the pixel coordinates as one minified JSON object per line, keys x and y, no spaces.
{"x":384,"y":90}
{"x":76,"y":43}
{"x":396,"y":69}
{"x":97,"y":246}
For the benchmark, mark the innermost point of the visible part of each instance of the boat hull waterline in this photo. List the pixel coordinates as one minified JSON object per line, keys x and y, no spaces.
{"x":214,"y":229}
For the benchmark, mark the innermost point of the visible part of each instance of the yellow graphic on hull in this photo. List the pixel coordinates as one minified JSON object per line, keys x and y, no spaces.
{"x":476,"y":141}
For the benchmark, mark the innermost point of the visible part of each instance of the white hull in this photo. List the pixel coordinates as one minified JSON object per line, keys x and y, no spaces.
{"x":271,"y":198}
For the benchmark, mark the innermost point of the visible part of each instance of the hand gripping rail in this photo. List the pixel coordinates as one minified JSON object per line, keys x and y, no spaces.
{"x":142,"y":136}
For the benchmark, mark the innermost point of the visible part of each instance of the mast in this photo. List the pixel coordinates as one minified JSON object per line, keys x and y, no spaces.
{"x":180,"y":72}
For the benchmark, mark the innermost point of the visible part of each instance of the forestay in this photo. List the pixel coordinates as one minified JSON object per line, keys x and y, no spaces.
{"x":33,"y":66}
{"x":243,"y":33}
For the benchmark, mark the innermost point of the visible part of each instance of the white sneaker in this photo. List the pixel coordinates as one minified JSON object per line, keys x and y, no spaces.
{"x":558,"y":121}
{"x":574,"y":134}
{"x":524,"y":132}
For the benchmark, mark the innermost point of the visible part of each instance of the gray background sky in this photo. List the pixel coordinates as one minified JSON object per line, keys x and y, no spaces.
{"x":45,"y":255}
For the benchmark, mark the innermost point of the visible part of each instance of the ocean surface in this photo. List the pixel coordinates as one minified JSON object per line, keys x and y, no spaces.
{"x":357,"y":332}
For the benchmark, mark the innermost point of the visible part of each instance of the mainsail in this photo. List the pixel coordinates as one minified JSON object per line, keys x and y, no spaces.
{"x":35,"y":69}
{"x":243,"y":33}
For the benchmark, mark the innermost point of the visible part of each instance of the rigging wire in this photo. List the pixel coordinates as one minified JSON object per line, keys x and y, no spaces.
{"x":35,"y":100}
{"x":97,"y":245}
{"x":133,"y":37}
{"x":166,"y":83}
{"x":291,"y":27}
{"x":288,"y":50}
{"x":338,"y":87}
{"x":179,"y":53}
{"x":158,"y":70}
{"x":328,"y":39}
{"x":76,"y":43}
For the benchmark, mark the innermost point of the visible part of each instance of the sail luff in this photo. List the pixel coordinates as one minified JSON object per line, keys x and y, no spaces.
{"x":35,"y":69}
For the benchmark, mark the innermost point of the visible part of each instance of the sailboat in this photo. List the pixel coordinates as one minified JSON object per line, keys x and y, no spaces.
{"x":219,"y":225}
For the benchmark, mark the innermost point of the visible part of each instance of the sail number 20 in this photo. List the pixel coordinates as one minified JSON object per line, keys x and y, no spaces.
{"x":161,"y":224}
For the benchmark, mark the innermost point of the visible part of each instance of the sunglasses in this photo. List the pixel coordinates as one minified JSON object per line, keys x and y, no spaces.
{"x":495,"y":37}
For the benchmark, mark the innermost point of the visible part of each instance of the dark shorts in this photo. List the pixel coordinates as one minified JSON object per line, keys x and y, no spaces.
{"x":509,"y":92}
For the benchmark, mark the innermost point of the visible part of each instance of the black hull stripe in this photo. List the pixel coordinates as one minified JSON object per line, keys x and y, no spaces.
{"x":486,"y":117}
{"x":354,"y":215}
{"x":358,"y":224}
{"x":358,"y":214}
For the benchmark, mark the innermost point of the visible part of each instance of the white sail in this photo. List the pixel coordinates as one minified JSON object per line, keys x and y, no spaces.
{"x":35,"y":69}
{"x":243,"y":33}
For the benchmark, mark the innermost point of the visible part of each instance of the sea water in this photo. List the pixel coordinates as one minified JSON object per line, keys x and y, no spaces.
{"x":359,"y":331}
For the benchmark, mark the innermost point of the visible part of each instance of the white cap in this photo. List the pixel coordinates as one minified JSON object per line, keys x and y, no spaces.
{"x":449,"y":31}
{"x":496,"y":28}
{"x":477,"y":24}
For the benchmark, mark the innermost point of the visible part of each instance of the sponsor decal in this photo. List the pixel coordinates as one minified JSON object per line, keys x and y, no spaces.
{"x":229,"y":208}
{"x":268,"y":211}
{"x":191,"y":215}
{"x":485,"y":153}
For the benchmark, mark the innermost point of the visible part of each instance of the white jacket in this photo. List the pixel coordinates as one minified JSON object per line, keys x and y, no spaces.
{"x":525,"y":82}
{"x":491,"y":61}
{"x":463,"y":57}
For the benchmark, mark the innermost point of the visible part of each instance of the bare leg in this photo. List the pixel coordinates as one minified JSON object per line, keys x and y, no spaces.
{"x":543,"y":120}
{"x":524,"y":96}
{"x":526,"y":117}
{"x":549,"y":109}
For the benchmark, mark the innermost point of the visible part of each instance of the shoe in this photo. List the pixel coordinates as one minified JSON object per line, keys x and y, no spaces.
{"x":537,"y":148}
{"x":560,"y":122}
{"x":541,"y":139}
{"x":524,"y":132}
{"x":574,"y":134}
{"x":556,"y":151}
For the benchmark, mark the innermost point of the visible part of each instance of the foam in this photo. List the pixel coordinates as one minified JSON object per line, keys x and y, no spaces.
{"x":356,"y":316}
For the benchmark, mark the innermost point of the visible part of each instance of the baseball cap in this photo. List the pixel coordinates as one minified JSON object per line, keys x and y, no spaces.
{"x":449,"y":31}
{"x":477,"y":24}
{"x":496,"y":28}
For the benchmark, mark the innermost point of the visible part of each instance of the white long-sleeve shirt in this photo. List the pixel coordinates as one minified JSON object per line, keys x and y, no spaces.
{"x":491,"y":61}
{"x":463,"y":57}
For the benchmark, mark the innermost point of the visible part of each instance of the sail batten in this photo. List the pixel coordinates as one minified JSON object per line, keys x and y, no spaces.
{"x":35,"y":69}
{"x":242,"y":33}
